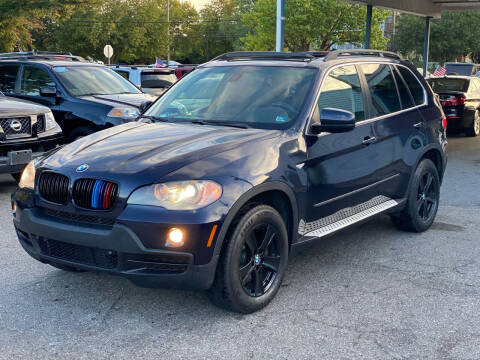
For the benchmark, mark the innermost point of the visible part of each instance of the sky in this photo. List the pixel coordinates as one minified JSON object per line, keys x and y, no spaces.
{"x":199,"y":3}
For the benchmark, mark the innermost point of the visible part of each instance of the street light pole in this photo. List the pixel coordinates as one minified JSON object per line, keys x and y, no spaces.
{"x":280,"y":25}
{"x":168,"y":33}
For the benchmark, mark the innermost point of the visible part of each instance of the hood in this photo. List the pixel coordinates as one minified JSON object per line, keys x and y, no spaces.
{"x":135,"y":100}
{"x":154,"y":91}
{"x":15,"y":107}
{"x":148,"y":151}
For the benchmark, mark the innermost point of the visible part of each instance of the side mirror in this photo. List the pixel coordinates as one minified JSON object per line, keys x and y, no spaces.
{"x":48,"y":91}
{"x":145,"y":106}
{"x":334,"y":121}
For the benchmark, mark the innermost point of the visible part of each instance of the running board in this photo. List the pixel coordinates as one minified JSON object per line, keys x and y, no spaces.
{"x":346,"y":217}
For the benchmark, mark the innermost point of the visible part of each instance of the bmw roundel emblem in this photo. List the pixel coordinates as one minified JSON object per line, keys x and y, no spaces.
{"x":82,"y":168}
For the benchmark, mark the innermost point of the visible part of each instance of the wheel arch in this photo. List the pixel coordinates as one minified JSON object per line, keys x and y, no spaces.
{"x":434,"y":154}
{"x":274,"y":193}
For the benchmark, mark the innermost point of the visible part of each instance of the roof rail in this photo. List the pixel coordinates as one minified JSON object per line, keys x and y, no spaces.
{"x":316,"y":54}
{"x":362,"y":52}
{"x":264,"y":55}
{"x":45,"y":55}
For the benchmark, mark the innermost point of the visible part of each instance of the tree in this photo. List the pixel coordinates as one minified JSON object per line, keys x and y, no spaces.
{"x":454,"y":36}
{"x":137,"y":29}
{"x":317,"y":24}
{"x":18,"y":18}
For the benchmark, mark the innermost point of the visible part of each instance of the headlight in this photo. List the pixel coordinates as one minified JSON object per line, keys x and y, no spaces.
{"x":27,"y":180}
{"x":130,"y":113}
{"x":182,"y":195}
{"x":50,"y":122}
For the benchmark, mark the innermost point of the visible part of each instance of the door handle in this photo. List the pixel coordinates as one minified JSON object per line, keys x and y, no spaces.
{"x":418,"y":125}
{"x":369,"y":140}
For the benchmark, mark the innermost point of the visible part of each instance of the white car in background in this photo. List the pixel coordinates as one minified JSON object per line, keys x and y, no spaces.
{"x":153,"y":81}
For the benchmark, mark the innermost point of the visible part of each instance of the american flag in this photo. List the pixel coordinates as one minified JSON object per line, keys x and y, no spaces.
{"x":159,"y":63}
{"x":440,"y":71}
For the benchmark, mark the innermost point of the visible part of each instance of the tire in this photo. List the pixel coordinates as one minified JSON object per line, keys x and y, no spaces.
{"x":17,"y":176}
{"x":256,"y":252}
{"x":422,"y":201}
{"x":474,"y":130}
{"x":66,"y":268}
{"x":80,"y":132}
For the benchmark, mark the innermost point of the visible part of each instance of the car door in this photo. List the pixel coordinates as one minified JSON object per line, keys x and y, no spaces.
{"x":398,"y":126}
{"x":31,"y":79}
{"x":341,"y":167}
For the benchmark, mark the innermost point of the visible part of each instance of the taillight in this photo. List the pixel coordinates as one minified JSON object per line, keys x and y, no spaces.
{"x":444,"y":123}
{"x":454,"y":101}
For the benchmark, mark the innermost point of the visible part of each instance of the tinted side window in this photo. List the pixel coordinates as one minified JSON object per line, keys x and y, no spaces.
{"x":382,"y":87}
{"x":414,"y":85}
{"x":405,"y":96}
{"x":124,"y":74}
{"x":342,"y":90}
{"x":33,"y":79}
{"x":8,"y":77}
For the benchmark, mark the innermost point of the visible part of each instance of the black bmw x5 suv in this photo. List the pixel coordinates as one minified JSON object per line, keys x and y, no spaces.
{"x":239,"y":164}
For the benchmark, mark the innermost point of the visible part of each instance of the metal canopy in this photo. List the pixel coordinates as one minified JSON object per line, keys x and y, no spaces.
{"x":432,"y":8}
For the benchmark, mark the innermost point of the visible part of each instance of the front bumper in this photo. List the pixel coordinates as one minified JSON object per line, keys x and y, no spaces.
{"x":38,"y":146}
{"x":116,"y":250}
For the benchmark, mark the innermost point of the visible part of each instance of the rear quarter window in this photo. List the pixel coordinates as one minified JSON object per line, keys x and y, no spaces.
{"x":413,"y":84}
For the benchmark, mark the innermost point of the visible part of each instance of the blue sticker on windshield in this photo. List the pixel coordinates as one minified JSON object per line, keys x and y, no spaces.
{"x":60,"y":69}
{"x":281,"y":118}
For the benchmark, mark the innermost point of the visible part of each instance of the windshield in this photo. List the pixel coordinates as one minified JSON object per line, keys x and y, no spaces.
{"x":459,"y":69}
{"x":442,"y":84}
{"x":152,"y":80}
{"x":93,"y":80}
{"x":261,"y":97}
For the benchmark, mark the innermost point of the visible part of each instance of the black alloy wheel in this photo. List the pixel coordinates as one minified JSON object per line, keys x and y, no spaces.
{"x":427,"y":199}
{"x":422,"y":199}
{"x":253,"y":263}
{"x":260,"y":260}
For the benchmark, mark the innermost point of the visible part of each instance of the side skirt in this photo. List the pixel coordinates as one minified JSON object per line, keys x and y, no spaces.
{"x":345,"y":218}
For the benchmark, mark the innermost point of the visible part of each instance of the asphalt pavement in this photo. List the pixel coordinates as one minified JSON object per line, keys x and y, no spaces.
{"x":370,"y":292}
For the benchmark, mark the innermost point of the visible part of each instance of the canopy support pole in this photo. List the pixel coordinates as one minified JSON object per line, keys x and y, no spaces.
{"x":280,"y":25}
{"x":368,"y":28}
{"x":426,"y":45}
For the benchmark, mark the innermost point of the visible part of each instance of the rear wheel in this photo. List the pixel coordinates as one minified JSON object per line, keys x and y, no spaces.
{"x":423,"y":199}
{"x":253,"y":263}
{"x":474,"y":130}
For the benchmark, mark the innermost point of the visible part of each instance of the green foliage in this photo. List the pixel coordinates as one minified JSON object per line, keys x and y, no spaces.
{"x":454,"y":36}
{"x":310,"y":24}
{"x":18,"y":18}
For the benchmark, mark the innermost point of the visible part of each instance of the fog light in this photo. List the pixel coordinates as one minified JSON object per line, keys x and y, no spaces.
{"x":14,"y":208}
{"x":175,"y":237}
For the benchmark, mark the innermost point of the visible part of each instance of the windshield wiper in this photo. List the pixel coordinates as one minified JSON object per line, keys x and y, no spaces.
{"x":236,"y":124}
{"x":154,"y":118}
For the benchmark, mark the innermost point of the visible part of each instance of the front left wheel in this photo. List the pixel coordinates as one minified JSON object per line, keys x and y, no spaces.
{"x":253,"y":263}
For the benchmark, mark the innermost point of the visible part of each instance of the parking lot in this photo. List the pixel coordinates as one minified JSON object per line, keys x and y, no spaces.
{"x":369,"y":292}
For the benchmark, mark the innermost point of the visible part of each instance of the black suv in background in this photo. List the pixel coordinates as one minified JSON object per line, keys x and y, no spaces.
{"x":27,"y":130}
{"x":464,"y":69}
{"x":214,"y":188}
{"x":460,"y":98}
{"x":84,"y":97}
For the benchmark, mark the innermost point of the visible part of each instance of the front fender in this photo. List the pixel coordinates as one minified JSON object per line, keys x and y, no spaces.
{"x":245,"y":198}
